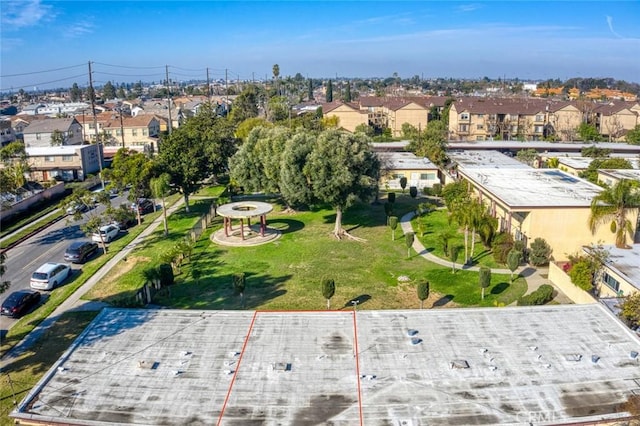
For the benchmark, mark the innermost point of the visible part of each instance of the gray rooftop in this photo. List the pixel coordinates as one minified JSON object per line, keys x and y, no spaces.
{"x":405,"y":161}
{"x":631,"y":174}
{"x":473,"y":158}
{"x":464,"y":366}
{"x":577,"y":163}
{"x":626,"y":262}
{"x":529,"y":187}
{"x":37,"y":151}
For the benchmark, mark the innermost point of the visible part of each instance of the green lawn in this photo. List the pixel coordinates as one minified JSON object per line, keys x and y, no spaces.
{"x":286,"y":274}
{"x":437,"y":222}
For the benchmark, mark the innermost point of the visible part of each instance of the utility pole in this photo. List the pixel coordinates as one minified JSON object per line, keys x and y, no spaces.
{"x":121,"y":126}
{"x":169,"y":98}
{"x":226,"y":89}
{"x":208,"y":86}
{"x":95,"y":122}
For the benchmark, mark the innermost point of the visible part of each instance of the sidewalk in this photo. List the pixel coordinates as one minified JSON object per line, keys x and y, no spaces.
{"x":535,"y":277}
{"x":74,"y":301}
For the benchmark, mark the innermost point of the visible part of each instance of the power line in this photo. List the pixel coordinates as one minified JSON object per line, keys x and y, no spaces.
{"x":127,"y":75}
{"x":40,"y":84}
{"x":40,"y":72}
{"x":130,"y":67}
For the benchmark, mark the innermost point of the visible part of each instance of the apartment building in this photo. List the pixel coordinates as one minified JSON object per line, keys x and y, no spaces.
{"x":67,"y":162}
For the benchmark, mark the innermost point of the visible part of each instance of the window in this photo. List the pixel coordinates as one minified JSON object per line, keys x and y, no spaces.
{"x":480,"y":126}
{"x":91,"y":126}
{"x":398,"y":176}
{"x":539,"y":117}
{"x":49,"y":159}
{"x":464,"y":116}
{"x":144,"y":132}
{"x":118,"y":132}
{"x":480,"y":115}
{"x":67,"y":158}
{"x":427,"y":176}
{"x":38,"y":136}
{"x":134,"y":132}
{"x":464,"y":128}
{"x":610,"y":281}
{"x":538,"y":129}
{"x":70,"y":134}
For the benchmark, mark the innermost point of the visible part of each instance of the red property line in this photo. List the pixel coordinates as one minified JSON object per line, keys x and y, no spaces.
{"x":235,"y":373}
{"x":357,"y":355}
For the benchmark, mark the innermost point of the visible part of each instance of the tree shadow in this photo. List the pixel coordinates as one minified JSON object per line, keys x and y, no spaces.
{"x":527,"y":272}
{"x":500,"y":288}
{"x":359,"y":300}
{"x":443,"y":300}
{"x":480,"y":255}
{"x":67,"y":233}
{"x":285,"y":226}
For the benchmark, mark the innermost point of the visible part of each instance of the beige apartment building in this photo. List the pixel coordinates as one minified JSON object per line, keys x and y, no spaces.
{"x":67,"y":163}
{"x":613,"y":120}
{"x":419,"y":172}
{"x":349,"y":115}
{"x":116,"y":130}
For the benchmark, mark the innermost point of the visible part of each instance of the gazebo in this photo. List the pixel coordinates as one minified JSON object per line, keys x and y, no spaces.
{"x":244,"y":211}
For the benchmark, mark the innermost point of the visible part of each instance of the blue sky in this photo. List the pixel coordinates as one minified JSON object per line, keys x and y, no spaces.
{"x":132,"y":40}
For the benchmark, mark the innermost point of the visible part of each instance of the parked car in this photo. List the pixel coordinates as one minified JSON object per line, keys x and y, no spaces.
{"x":19,"y":302}
{"x":125,"y":223}
{"x":107,"y":233}
{"x":50,"y":275}
{"x":76,"y":207}
{"x":144,"y":206}
{"x":80,"y":251}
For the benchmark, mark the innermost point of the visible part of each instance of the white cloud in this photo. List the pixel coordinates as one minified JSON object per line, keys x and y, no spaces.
{"x":79,"y":29}
{"x":610,"y":23}
{"x":468,"y":7}
{"x":20,"y":14}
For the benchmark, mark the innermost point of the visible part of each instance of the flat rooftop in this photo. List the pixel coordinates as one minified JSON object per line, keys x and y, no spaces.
{"x":526,"y":188}
{"x":625,"y":262}
{"x":578,"y":163}
{"x":483,"y":159}
{"x":398,"y":367}
{"x":405,"y":161}
{"x":631,"y":174}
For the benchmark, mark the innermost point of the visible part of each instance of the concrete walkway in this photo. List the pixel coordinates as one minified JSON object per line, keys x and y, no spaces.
{"x":535,"y":277}
{"x":74,"y":301}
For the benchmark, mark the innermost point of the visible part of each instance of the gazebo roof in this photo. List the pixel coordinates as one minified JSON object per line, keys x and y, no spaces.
{"x":244,"y":209}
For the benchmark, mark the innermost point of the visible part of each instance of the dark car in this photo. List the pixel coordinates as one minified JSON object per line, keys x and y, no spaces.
{"x":80,"y":251}
{"x":144,"y":206}
{"x":19,"y":302}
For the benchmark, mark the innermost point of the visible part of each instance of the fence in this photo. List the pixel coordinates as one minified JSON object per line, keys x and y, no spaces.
{"x":204,"y":221}
{"x":560,"y":278}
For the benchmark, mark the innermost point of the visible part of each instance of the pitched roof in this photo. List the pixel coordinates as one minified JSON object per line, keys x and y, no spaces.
{"x":50,"y":125}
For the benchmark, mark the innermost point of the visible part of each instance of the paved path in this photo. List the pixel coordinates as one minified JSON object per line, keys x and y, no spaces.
{"x":535,"y":277}
{"x":74,"y":301}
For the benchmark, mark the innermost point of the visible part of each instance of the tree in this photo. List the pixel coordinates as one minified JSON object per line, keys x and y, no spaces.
{"x":276,"y":74}
{"x":413,"y":191}
{"x":75,"y":93}
{"x":453,"y":256}
{"x":196,"y":150}
{"x":151,"y":276}
{"x":393,"y":224}
{"x":444,"y":238}
{"x":527,"y":156}
{"x":160,"y":188}
{"x":403,"y":183}
{"x":238,"y":286}
{"x":409,"y":237}
{"x":423,"y":292}
{"x":108,"y":91}
{"x":513,"y":261}
{"x":347,"y":93}
{"x":57,"y":138}
{"x":278,"y":109}
{"x":329,"y":96}
{"x":633,"y":136}
{"x":245,"y":105}
{"x":431,"y":143}
{"x":4,"y":285}
{"x":310,"y":90}
{"x":595,"y":152}
{"x":132,"y":169}
{"x":165,"y":275}
{"x":612,"y":206}
{"x":591,"y":172}
{"x":121,"y":93}
{"x":630,"y":310}
{"x":341,"y":169}
{"x":588,"y":132}
{"x":502,"y":245}
{"x":581,"y":274}
{"x":539,"y":252}
{"x":328,"y":290}
{"x":295,"y":188}
{"x":484,"y":278}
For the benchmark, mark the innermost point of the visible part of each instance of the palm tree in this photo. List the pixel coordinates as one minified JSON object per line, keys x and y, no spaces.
{"x":613,"y":205}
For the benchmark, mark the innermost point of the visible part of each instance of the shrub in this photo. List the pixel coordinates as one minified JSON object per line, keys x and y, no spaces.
{"x":391,"y":197}
{"x":540,"y":252}
{"x":436,"y":189}
{"x":166,"y":274}
{"x":581,"y":274}
{"x":413,"y":191}
{"x":502,"y":245}
{"x":539,"y":297}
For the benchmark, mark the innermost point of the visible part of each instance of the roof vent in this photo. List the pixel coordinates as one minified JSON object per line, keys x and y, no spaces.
{"x":148,"y":365}
{"x":595,"y":359}
{"x":458,"y":364}
{"x":411,"y":332}
{"x":573,"y":357}
{"x":281,"y":366}
{"x":416,"y":341}
{"x":633,"y":355}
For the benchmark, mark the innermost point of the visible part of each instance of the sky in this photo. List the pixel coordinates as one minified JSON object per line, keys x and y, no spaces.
{"x":47,"y":44}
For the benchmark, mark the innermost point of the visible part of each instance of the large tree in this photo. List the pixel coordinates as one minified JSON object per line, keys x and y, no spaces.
{"x":246,"y":104}
{"x":341,"y":169}
{"x":108,"y":91}
{"x":613,"y":205}
{"x":431,"y":142}
{"x":196,"y":150}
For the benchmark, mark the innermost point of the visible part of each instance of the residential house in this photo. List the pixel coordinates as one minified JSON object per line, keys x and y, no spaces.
{"x":574,"y":165}
{"x":419,"y":172}
{"x":620,"y":274}
{"x":39,"y":133}
{"x":610,"y":176}
{"x":139,"y":133}
{"x":614,"y":119}
{"x":349,"y":115}
{"x":66,"y":162}
{"x":538,"y":203}
{"x":7,"y":134}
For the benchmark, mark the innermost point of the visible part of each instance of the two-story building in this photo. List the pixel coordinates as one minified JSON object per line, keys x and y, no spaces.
{"x":41,"y":133}
{"x":7,"y":134}
{"x":66,"y":163}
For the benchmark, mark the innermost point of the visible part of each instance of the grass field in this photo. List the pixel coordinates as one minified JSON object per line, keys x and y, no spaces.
{"x":286,"y":274}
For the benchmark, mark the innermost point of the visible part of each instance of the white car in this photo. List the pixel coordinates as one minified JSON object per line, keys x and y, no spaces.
{"x":109,"y":233}
{"x":50,"y":275}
